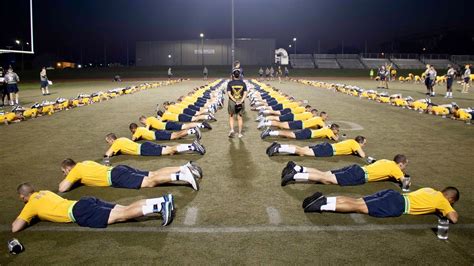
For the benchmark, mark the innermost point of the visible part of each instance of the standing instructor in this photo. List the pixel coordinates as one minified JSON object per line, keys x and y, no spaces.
{"x":237,"y":91}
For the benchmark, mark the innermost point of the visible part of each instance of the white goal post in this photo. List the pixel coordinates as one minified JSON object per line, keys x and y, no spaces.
{"x":32,"y":51}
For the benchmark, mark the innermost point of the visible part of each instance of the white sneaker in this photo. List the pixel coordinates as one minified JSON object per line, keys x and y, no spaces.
{"x":231,"y":134}
{"x":188,"y":177}
{"x":240,"y":135}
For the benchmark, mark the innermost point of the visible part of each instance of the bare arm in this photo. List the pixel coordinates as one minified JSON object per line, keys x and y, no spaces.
{"x":361,"y":152}
{"x":64,"y":186}
{"x":109,"y":152}
{"x":243,"y":97}
{"x":18,"y":225}
{"x":453,"y":217}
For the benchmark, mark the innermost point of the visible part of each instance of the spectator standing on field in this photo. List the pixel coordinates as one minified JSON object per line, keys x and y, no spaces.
{"x":449,"y":81}
{"x":260,"y":73}
{"x":466,"y":78}
{"x":44,"y":82}
{"x":267,"y":73}
{"x":3,"y":88}
{"x":372,"y":73}
{"x":170,"y":73}
{"x":287,"y":73}
{"x":12,"y":79}
{"x":205,"y":72}
{"x":272,"y":73}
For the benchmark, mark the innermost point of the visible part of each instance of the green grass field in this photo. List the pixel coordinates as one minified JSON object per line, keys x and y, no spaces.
{"x":241,"y":215}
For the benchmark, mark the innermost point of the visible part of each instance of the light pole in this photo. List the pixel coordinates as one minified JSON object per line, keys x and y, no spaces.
{"x":202,"y":48}
{"x":22,"y":55}
{"x":233,"y":37}
{"x":294,"y":40}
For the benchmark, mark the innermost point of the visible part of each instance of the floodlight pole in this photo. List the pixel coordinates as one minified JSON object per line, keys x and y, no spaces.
{"x":233,"y":37}
{"x":202,"y":48}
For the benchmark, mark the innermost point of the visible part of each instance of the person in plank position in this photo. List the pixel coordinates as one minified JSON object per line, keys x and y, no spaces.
{"x":157,"y":124}
{"x":93,"y":174}
{"x":325,"y":149}
{"x":139,"y":133}
{"x":331,"y":132}
{"x":351,"y":175}
{"x":88,"y":211}
{"x":127,"y":146}
{"x":389,"y":203}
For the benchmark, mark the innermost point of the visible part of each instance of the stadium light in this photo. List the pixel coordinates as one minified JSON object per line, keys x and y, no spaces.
{"x":169,"y":56}
{"x":294,"y":40}
{"x":18,"y":42}
{"x":22,"y":54}
{"x":201,"y":35}
{"x":289,"y":46}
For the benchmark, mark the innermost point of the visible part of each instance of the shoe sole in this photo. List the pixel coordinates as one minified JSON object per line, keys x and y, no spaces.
{"x":312,"y":199}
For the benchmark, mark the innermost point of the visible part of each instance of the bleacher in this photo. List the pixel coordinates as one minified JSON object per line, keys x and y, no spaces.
{"x":438,"y":63}
{"x":374,"y":62}
{"x":463,"y":60}
{"x":326,"y":61}
{"x":301,"y":61}
{"x":350,"y":63}
{"x":408,"y":63}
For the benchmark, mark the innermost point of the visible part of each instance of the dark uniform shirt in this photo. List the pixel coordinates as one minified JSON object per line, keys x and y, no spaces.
{"x":236,"y":88}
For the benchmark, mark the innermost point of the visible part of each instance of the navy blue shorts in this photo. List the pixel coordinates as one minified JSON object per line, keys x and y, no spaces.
{"x":322,"y":149}
{"x":385,"y":203}
{"x":173,"y":126}
{"x":466,"y":80}
{"x":303,"y":134}
{"x":287,"y":117}
{"x":272,"y":102}
{"x":188,"y":111}
{"x":12,"y":88}
{"x":449,"y":83}
{"x":351,"y":175}
{"x":44,"y":84}
{"x":92,"y":212}
{"x":150,"y":149}
{"x":298,"y":124}
{"x":193,"y":107}
{"x":277,"y":107}
{"x":184,"y":118}
{"x":285,"y":111}
{"x":123,"y":176}
{"x":162,"y":135}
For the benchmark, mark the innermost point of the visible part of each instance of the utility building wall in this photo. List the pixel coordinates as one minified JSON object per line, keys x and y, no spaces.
{"x":213,"y":52}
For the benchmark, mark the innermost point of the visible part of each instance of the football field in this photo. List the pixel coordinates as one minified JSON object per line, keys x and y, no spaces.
{"x":241,"y":214}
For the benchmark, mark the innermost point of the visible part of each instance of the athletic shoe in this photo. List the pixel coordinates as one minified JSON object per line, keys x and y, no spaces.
{"x":231,"y":134}
{"x":240,"y":135}
{"x":190,"y":178}
{"x":273,"y":149}
{"x":259,"y":118}
{"x":265,"y":133}
{"x":198,"y":133}
{"x":166,"y":213}
{"x":288,"y":177}
{"x":206,"y":125}
{"x":261,"y":124}
{"x":314,"y":202}
{"x":198,"y":147}
{"x":195,"y":169}
{"x":211,"y":117}
{"x":289,"y":166}
{"x":169,"y":198}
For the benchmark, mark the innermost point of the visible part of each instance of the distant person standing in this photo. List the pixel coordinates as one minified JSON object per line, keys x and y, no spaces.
{"x":267,"y":73}
{"x":449,"y":81}
{"x":3,"y":88}
{"x":272,"y":73}
{"x":287,"y":73}
{"x":466,"y":78}
{"x":170,"y":73}
{"x":432,"y":80}
{"x":260,"y":74}
{"x":383,"y":77}
{"x":393,"y":74}
{"x":44,"y":82}
{"x":12,"y":79}
{"x":205,"y":72}
{"x":279,"y":73}
{"x":372,"y":73}
{"x":237,"y":91}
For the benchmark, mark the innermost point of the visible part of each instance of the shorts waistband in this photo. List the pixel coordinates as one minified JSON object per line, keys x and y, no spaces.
{"x":140,"y":149}
{"x":407,"y":205}
{"x":366,"y":175}
{"x":109,"y":175}
{"x":69,"y":212}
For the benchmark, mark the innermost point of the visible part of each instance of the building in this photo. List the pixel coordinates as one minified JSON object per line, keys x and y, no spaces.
{"x":207,"y":52}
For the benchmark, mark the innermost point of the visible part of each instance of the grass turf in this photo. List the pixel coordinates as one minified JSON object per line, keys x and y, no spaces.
{"x":240,"y":183}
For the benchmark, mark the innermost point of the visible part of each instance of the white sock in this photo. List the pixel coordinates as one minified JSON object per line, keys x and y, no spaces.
{"x":266,"y":112}
{"x":200,"y":125}
{"x":274,"y":133}
{"x":175,"y":176}
{"x":191,"y":131}
{"x":287,"y":149}
{"x":267,"y":123}
{"x":301,"y":177}
{"x":300,"y":169}
{"x":330,"y":205}
{"x":184,"y":147}
{"x":147,"y":209}
{"x":154,"y":201}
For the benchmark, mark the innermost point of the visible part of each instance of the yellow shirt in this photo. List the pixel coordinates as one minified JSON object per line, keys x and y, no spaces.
{"x":383,"y":170}
{"x":143,"y":133}
{"x":9,"y":117}
{"x":289,"y":104}
{"x":48,"y":109}
{"x":30,"y":112}
{"x":91,"y":174}
{"x":400,"y":102}
{"x":427,"y":200}
{"x":175,"y":109}
{"x":47,"y":206}
{"x":323,"y":133}
{"x":314,"y":122}
{"x":384,"y":99}
{"x":297,"y":110}
{"x":167,"y":116}
{"x":302,"y":116}
{"x":345,"y":147}
{"x":419,"y":105}
{"x":462,"y":115}
{"x":155,"y":123}
{"x":125,"y":146}
{"x":440,"y":110}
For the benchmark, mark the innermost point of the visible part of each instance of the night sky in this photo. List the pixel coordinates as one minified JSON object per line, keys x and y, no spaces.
{"x":67,"y":27}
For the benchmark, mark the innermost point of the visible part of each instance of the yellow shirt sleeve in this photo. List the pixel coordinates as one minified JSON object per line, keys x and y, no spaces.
{"x":29,"y":211}
{"x":303,"y":116}
{"x":74,"y":175}
{"x":316,"y":122}
{"x":167,"y":116}
{"x":125,"y":146}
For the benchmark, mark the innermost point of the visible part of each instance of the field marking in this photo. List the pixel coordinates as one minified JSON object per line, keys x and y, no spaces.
{"x":191,"y":216}
{"x":358,"y":218}
{"x":241,"y":229}
{"x":273,"y":216}
{"x":352,"y":126}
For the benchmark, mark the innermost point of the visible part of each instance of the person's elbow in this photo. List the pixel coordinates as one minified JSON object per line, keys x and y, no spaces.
{"x":453,"y":217}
